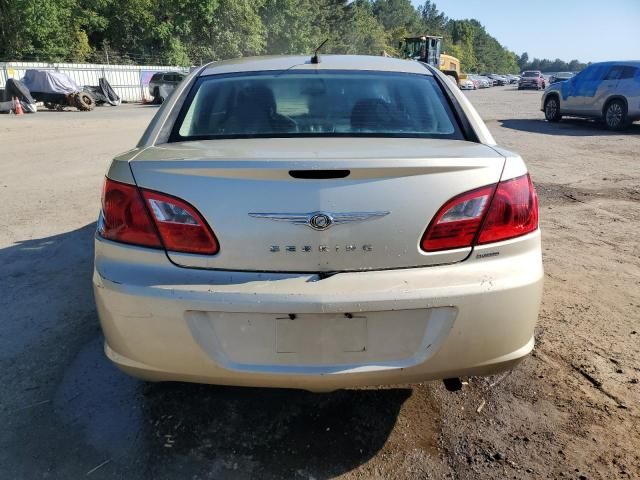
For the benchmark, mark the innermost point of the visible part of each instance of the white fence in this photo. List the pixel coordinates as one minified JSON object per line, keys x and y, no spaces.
{"x":129,"y":81}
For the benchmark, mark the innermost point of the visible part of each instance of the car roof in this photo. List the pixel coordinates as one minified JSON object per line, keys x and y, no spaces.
{"x":327,"y":62}
{"x":632,"y":63}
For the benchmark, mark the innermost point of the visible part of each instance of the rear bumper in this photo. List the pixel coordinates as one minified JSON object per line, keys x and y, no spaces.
{"x":162,"y":322}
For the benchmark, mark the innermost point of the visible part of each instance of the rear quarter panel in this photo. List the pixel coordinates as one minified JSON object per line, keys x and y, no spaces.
{"x":630,"y":89}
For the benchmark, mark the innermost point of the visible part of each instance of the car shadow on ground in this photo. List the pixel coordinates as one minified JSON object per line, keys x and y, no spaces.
{"x":574,"y":127}
{"x":66,"y":409}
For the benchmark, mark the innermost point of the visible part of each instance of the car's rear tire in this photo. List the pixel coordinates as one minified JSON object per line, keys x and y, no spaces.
{"x":157,"y":98}
{"x":615,"y":115}
{"x":552,"y":109}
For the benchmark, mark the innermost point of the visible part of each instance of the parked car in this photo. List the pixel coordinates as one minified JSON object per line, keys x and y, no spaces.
{"x":162,"y":84}
{"x":323,"y":225}
{"x":532,"y":79}
{"x":497,"y":79}
{"x":560,"y":77}
{"x":483,"y":82}
{"x":608,"y":91}
{"x":466,"y":82}
{"x":493,"y":82}
{"x":513,"y":79}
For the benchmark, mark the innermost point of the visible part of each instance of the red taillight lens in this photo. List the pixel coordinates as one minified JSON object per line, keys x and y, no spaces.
{"x":509,"y":212}
{"x":456,"y":223}
{"x":513,"y":212}
{"x":181,"y":227}
{"x":125,"y":218}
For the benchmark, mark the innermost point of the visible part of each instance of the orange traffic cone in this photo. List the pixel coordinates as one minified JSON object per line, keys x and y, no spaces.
{"x":19,"y":110}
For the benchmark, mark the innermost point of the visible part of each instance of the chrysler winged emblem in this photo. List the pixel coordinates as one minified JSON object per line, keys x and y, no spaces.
{"x":319,"y":220}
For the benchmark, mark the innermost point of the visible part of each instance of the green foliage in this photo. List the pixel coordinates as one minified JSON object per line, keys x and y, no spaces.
{"x":398,"y":17}
{"x":235,"y":30}
{"x":523,"y":60}
{"x":37,"y":28}
{"x":366,"y":34}
{"x":395,"y":13}
{"x":80,"y":48}
{"x":288,"y":29}
{"x":434,"y":22}
{"x":477,"y":50}
{"x":545,"y":65}
{"x":184,"y":32}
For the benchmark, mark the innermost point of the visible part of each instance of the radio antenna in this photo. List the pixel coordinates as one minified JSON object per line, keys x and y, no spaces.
{"x":316,"y":58}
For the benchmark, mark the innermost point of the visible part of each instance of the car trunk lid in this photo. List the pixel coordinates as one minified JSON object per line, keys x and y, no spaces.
{"x":269,"y":200}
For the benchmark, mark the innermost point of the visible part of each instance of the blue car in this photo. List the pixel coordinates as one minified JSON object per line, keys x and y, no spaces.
{"x":607,"y":91}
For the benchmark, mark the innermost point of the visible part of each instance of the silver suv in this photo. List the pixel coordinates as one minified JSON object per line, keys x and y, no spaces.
{"x":608,"y":91}
{"x":162,"y":84}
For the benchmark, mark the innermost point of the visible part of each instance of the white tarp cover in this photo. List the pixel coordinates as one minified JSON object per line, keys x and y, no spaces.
{"x":45,"y":81}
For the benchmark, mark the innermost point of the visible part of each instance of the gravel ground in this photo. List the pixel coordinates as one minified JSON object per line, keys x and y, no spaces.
{"x":570,"y":410}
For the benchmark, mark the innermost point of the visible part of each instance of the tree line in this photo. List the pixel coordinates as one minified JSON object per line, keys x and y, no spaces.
{"x":187,"y":32}
{"x":546,"y":65}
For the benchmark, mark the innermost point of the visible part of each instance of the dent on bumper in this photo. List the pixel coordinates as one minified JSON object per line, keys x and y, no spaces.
{"x":162,"y":322}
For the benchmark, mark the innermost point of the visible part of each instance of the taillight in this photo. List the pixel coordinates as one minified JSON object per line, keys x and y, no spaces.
{"x":179,"y":226}
{"x":513,"y":212}
{"x":124,"y":216}
{"x":456,"y":223}
{"x":498,"y":212}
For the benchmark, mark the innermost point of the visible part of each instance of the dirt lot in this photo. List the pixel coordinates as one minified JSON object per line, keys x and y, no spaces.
{"x":570,"y":410}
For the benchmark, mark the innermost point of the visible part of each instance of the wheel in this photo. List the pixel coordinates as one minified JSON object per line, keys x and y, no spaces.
{"x":552,"y":109}
{"x":84,"y":101}
{"x":615,"y":115}
{"x":157,"y":98}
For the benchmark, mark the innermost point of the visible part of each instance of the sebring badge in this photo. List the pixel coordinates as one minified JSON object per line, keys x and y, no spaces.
{"x":319,"y":220}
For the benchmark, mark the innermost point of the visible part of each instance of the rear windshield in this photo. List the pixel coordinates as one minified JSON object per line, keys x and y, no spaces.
{"x":315,"y":103}
{"x":531,"y":74}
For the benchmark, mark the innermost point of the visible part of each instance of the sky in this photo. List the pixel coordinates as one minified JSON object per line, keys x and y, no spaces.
{"x":586,"y":30}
